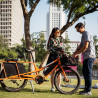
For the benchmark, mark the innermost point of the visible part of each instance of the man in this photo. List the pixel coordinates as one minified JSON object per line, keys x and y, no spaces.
{"x":87,"y":48}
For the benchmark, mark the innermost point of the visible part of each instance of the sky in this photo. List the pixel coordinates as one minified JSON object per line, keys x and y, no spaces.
{"x":38,"y":22}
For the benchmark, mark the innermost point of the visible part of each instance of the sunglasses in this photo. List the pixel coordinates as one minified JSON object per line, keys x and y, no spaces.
{"x":58,"y":32}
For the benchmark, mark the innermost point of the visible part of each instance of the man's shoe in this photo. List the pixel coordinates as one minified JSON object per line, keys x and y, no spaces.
{"x":87,"y":93}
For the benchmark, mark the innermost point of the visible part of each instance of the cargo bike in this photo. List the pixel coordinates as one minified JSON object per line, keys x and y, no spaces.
{"x":14,"y":77}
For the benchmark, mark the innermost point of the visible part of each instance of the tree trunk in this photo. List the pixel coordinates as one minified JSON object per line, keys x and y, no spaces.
{"x":28,"y":41}
{"x":69,"y":24}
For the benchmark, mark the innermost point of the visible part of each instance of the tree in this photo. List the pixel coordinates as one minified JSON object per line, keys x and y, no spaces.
{"x":27,"y":15}
{"x":20,"y":49}
{"x":67,"y":47}
{"x":3,"y":43}
{"x":75,"y":9}
{"x":6,"y":52}
{"x":96,"y":44}
{"x":39,"y":43}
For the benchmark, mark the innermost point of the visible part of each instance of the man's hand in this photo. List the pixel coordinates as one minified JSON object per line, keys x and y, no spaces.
{"x":75,"y":55}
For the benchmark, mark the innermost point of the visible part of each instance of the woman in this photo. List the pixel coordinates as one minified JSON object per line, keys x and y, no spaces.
{"x":55,"y":45}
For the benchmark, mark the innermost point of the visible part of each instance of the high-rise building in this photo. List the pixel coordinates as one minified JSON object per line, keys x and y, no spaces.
{"x":11,"y":21}
{"x":55,"y":18}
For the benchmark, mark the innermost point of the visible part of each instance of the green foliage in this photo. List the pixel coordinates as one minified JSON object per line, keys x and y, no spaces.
{"x":3,"y":44}
{"x":67,"y":47}
{"x":29,"y":2}
{"x":20,"y":49}
{"x":76,"y":7}
{"x":96,"y":44}
{"x":8,"y":53}
{"x":12,"y":53}
{"x":79,"y":68}
{"x":39,"y":43}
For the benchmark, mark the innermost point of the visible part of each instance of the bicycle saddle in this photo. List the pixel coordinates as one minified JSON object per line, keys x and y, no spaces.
{"x":11,"y":60}
{"x":27,"y":50}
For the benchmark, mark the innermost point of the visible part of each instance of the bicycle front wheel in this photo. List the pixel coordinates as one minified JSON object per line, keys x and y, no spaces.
{"x":65,"y":86}
{"x":13,"y":85}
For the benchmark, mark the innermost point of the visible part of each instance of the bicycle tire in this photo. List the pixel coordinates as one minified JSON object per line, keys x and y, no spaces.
{"x":12,"y":87}
{"x":67,"y":89}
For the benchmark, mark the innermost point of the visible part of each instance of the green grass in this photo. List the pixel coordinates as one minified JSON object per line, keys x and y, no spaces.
{"x":43,"y":91}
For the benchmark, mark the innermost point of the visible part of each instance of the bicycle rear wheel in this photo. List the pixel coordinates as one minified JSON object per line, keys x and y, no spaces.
{"x":64,"y":86}
{"x":12,"y":85}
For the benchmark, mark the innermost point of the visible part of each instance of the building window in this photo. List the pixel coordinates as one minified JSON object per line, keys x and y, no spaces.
{"x":9,"y":23}
{"x":10,"y":40}
{"x":3,"y":6}
{"x":10,"y":2}
{"x":9,"y":6}
{"x":9,"y":35}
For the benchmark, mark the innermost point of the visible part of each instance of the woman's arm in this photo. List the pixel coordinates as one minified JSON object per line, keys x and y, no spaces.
{"x":51,"y":45}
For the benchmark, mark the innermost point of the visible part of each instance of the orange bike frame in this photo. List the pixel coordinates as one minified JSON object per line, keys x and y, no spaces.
{"x":28,"y":74}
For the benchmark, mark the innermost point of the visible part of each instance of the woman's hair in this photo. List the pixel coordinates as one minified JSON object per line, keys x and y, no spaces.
{"x":52,"y":35}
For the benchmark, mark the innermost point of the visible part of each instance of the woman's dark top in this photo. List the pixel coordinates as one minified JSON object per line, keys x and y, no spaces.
{"x":55,"y":45}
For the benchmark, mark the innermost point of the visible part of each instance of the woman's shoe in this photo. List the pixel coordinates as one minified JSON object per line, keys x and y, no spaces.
{"x":52,"y":90}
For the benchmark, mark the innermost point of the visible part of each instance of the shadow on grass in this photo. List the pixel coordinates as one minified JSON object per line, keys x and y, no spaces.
{"x":30,"y":90}
{"x":44,"y":91}
{"x":1,"y":88}
{"x":38,"y":90}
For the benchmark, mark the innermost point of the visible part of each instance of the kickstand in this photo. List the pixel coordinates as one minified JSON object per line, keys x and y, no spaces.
{"x":32,"y":86}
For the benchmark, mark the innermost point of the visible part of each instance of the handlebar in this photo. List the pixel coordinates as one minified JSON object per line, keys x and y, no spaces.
{"x":65,"y":59}
{"x":73,"y":61}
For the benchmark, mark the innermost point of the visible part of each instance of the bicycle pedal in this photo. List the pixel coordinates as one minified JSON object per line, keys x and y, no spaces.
{"x":46,"y":80}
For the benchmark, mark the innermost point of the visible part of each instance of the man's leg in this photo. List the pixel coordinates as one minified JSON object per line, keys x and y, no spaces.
{"x":88,"y":63}
{"x":89,"y":73}
{"x":84,"y":73}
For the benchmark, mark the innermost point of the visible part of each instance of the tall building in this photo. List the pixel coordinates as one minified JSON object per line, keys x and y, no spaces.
{"x":11,"y":21}
{"x":55,"y":18}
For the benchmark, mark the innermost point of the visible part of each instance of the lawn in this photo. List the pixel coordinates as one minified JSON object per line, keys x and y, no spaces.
{"x":43,"y":91}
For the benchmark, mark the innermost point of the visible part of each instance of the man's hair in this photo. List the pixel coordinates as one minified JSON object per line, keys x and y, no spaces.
{"x":79,"y":25}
